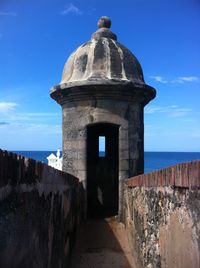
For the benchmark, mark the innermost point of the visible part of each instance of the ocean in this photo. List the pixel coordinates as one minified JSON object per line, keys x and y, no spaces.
{"x":153,"y":160}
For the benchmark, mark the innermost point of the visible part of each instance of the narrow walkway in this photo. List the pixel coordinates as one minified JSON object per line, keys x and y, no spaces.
{"x":102,"y":244}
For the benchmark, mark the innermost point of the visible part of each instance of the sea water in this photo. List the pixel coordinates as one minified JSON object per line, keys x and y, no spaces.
{"x":152,"y":160}
{"x":159,"y":160}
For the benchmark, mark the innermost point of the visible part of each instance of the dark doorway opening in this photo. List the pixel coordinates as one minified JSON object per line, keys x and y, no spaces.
{"x":102,"y":170}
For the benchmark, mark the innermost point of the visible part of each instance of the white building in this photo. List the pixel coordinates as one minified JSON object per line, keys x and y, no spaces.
{"x":55,"y":161}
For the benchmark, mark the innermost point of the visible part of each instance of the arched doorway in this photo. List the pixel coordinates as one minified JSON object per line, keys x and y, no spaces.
{"x":102,"y":170}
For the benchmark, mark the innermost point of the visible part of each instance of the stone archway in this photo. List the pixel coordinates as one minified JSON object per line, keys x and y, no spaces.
{"x":102,"y":170}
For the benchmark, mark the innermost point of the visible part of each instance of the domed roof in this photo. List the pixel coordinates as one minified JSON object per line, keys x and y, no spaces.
{"x":102,"y":60}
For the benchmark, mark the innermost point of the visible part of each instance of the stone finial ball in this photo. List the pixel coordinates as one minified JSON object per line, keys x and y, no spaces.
{"x":104,"y":22}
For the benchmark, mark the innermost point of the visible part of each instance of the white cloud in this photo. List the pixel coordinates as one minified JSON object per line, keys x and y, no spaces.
{"x":183,"y":79}
{"x":152,"y":110}
{"x":171,"y":111}
{"x":158,"y":78}
{"x":32,"y":117}
{"x":189,"y":78}
{"x":7,"y":106}
{"x":180,"y":79}
{"x":3,"y":13}
{"x":10,"y":115}
{"x":179,"y":112}
{"x":43,"y":129}
{"x":71,"y":9}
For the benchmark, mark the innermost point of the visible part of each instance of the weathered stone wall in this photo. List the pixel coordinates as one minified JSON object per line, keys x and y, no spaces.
{"x":162,"y":217}
{"x":39,"y":211}
{"x":128,"y":116}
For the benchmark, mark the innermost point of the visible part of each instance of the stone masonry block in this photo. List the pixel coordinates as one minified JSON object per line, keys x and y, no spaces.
{"x":123,"y":145}
{"x":123,"y":154}
{"x":124,"y":164}
{"x":81,"y":154}
{"x":70,"y":154}
{"x":79,"y":164}
{"x":123,"y":133}
{"x":123,"y":175}
{"x":81,"y":174}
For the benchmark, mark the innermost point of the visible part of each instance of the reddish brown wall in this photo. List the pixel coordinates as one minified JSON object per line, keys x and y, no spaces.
{"x":185,"y":175}
{"x":39,"y":211}
{"x":162,"y":216}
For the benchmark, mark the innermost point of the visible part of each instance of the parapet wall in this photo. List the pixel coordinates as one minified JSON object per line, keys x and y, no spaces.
{"x":162,"y":217}
{"x":39,"y":212}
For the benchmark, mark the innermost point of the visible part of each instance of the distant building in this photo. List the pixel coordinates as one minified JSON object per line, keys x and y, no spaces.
{"x":55,"y":161}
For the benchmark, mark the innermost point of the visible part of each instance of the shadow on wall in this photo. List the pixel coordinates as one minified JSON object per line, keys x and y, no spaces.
{"x":39,"y":212}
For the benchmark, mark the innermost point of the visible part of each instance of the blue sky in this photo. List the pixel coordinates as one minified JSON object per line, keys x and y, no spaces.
{"x":37,"y":37}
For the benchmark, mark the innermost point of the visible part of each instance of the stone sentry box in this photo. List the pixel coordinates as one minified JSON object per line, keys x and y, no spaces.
{"x":102,"y":85}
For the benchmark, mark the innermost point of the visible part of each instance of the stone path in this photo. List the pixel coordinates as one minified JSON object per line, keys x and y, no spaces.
{"x":102,"y":244}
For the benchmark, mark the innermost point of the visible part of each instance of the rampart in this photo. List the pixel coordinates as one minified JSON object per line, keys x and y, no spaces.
{"x":40,"y":208}
{"x":39,"y":212}
{"x":162,"y":217}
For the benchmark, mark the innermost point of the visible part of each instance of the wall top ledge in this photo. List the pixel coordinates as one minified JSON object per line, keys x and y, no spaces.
{"x":184,"y":175}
